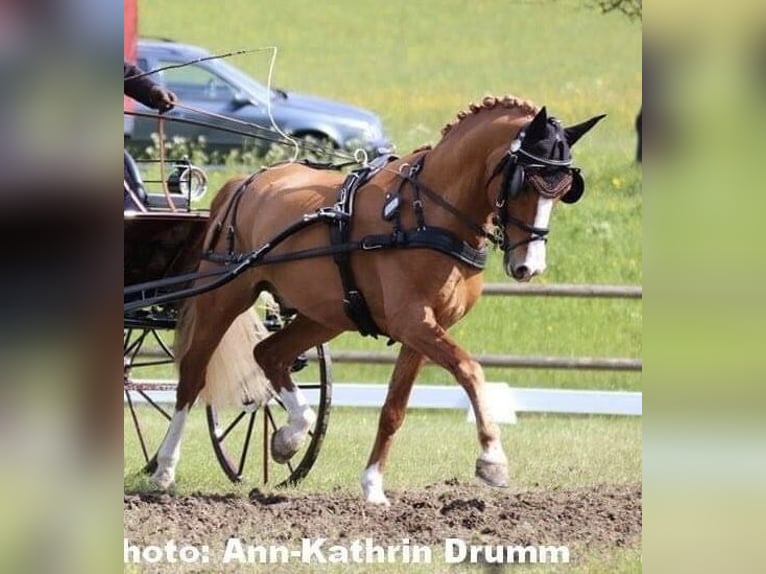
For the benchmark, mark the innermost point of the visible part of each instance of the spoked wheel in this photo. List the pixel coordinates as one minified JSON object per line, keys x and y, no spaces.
{"x":242,"y":439}
{"x":148,"y":417}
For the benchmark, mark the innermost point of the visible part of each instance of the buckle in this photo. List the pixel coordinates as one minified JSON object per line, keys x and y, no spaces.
{"x":332,"y":213}
{"x":367,"y":247}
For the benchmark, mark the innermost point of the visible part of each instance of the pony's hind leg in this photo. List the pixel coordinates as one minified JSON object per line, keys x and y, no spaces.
{"x":197,"y":339}
{"x":392,"y":414}
{"x":276,"y":355}
{"x":434,"y":342}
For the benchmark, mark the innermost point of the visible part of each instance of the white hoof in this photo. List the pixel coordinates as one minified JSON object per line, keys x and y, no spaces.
{"x":285,"y":443}
{"x":162,"y":480}
{"x":377,"y":498}
{"x":372,"y":486}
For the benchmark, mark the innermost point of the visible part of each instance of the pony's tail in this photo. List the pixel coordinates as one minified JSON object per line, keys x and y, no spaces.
{"x":233,"y":378}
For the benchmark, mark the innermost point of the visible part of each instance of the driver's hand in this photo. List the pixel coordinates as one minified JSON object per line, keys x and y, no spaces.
{"x":163,"y":99}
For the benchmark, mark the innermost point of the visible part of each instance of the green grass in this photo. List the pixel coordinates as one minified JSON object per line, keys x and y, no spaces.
{"x":544,"y":451}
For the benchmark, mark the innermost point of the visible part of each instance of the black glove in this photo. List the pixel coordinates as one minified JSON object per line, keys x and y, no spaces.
{"x":162,"y":99}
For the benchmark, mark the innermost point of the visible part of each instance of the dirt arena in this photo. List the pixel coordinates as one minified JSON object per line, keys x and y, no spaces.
{"x":604,"y":516}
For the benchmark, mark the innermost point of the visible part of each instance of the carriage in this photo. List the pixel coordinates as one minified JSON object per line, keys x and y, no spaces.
{"x":395,"y":248}
{"x":159,"y":248}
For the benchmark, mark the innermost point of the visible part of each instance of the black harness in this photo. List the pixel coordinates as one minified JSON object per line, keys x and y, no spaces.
{"x":422,"y":236}
{"x":339,"y":218}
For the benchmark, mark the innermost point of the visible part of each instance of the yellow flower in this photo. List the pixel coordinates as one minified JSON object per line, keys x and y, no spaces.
{"x":617,"y":182}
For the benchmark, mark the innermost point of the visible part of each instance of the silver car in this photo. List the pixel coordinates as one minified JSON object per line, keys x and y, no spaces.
{"x":219,"y":87}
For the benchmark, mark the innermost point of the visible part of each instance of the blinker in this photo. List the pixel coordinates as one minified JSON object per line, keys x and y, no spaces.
{"x":517,"y":181}
{"x":576,"y":190}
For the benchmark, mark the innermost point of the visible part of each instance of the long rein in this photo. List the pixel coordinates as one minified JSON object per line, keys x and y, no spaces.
{"x":233,"y":264}
{"x":330,"y":215}
{"x":333,"y":214}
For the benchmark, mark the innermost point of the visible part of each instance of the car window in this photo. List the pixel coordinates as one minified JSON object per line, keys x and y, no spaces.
{"x":243,"y":81}
{"x":194,"y":82}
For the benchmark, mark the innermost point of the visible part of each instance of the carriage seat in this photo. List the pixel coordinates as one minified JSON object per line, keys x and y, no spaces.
{"x":149,"y":200}
{"x":133,"y":180}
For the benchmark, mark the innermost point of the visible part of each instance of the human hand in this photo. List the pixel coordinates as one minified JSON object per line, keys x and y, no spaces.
{"x":163,"y":99}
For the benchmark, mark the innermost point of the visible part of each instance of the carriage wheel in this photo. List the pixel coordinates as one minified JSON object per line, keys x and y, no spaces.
{"x":235,"y":434}
{"x":148,"y":416}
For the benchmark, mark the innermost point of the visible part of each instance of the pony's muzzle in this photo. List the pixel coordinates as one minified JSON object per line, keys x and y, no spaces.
{"x":523,"y":270}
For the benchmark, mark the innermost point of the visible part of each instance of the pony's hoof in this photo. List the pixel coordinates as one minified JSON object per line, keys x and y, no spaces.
{"x":162,"y":481}
{"x":284,"y":444}
{"x":377,"y":498}
{"x":493,"y":473}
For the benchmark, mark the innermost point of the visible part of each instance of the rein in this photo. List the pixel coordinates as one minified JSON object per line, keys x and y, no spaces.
{"x":501,"y":218}
{"x":339,"y":219}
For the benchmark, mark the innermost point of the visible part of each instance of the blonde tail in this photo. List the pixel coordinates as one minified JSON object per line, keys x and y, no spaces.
{"x":233,"y":378}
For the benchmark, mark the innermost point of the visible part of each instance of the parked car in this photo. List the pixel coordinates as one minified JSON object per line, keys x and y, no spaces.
{"x":218,"y":86}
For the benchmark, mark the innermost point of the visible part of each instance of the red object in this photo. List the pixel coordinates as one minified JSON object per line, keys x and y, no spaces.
{"x":130,"y":38}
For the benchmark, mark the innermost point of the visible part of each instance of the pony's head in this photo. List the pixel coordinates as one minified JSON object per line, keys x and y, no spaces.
{"x":536,"y":172}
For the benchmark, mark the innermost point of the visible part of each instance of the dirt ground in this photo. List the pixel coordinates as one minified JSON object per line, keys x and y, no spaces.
{"x":603,"y":516}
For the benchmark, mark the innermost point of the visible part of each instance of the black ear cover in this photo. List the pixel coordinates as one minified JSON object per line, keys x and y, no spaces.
{"x":576,"y":190}
{"x":517,"y":181}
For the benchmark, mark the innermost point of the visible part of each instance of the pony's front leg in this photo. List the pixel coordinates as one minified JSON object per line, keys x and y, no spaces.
{"x":391,"y":417}
{"x":437,"y":345}
{"x":169,"y":453}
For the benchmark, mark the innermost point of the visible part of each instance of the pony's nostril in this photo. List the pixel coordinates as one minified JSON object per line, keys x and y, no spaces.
{"x":521,"y":272}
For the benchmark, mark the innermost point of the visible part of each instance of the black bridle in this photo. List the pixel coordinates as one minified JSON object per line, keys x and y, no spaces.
{"x":512,"y":165}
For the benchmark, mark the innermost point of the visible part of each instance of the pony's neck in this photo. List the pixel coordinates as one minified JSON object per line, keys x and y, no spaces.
{"x":459,"y":165}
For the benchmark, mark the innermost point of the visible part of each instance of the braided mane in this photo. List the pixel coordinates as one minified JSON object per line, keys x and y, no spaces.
{"x":491,"y":102}
{"x":487,"y":103}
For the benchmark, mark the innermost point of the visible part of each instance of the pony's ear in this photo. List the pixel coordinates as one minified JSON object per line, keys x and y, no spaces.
{"x":537,"y":130}
{"x":574,"y":133}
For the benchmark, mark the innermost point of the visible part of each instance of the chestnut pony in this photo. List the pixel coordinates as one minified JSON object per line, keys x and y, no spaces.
{"x":503,"y":164}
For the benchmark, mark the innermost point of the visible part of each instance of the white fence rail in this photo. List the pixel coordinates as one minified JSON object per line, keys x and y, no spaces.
{"x":505,"y":401}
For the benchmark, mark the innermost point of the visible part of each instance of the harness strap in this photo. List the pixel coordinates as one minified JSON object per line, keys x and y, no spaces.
{"x":354,"y":303}
{"x":175,"y":280}
{"x":444,"y":204}
{"x":434,"y":238}
{"x":231,"y":210}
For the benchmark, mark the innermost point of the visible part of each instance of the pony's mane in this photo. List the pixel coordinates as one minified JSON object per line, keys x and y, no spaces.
{"x":489,"y":103}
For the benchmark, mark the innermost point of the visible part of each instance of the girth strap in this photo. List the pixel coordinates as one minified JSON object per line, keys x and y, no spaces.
{"x":434,"y":238}
{"x":354,"y":303}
